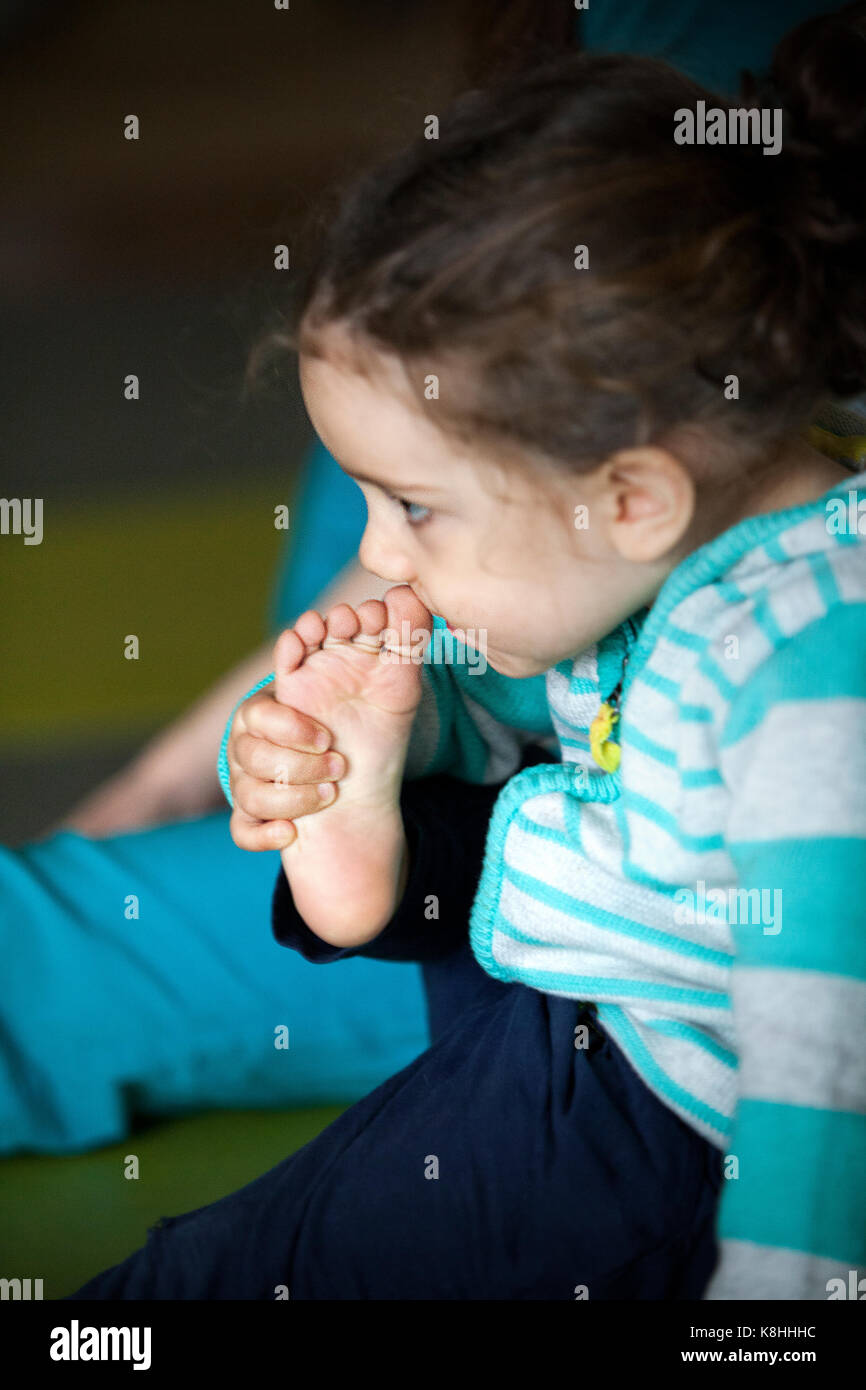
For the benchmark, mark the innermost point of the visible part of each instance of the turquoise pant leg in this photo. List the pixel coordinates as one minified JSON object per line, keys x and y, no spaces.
{"x":103,"y":1016}
{"x":106,"y":1013}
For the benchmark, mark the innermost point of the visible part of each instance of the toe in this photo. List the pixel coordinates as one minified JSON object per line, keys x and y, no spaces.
{"x":311,"y":629}
{"x":372,"y":615}
{"x":342,"y":622}
{"x":407,"y":614}
{"x":289,"y":652}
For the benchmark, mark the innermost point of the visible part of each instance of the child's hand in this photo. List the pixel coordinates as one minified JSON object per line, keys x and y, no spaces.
{"x":276,"y":769}
{"x":358,"y":673}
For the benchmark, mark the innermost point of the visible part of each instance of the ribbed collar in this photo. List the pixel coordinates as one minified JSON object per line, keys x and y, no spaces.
{"x":714,"y":559}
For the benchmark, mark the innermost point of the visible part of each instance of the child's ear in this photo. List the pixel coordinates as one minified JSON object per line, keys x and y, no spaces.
{"x":650,"y":503}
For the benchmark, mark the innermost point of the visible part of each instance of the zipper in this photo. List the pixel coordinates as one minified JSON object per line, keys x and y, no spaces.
{"x":616,"y":695}
{"x":604,"y":751}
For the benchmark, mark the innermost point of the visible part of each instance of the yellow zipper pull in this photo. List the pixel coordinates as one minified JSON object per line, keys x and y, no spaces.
{"x":607,"y":755}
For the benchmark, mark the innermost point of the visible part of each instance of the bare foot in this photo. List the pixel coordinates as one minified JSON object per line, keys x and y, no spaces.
{"x":359,"y":674}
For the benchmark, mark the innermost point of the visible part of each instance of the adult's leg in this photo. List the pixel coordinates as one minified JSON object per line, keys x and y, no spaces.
{"x":141,"y":976}
{"x":328,"y":522}
{"x":503,"y":1163}
{"x":103,"y":1015}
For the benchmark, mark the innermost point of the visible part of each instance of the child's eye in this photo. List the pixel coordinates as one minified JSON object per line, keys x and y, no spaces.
{"x":407,"y":507}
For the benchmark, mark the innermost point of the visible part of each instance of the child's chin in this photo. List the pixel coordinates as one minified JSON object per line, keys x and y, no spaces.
{"x":504,"y":663}
{"x":516,"y":666}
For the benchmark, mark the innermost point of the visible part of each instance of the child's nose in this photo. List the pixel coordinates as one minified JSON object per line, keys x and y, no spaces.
{"x":378,"y":557}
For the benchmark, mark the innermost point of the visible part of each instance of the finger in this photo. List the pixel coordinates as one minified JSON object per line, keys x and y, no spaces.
{"x":282,"y":724}
{"x":270,"y":763}
{"x":249,"y":833}
{"x":270,"y":801}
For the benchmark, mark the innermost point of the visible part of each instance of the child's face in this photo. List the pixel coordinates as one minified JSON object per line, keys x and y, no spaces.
{"x":495,"y":551}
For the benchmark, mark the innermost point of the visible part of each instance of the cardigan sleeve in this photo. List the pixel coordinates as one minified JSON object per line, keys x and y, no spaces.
{"x":792,"y":1214}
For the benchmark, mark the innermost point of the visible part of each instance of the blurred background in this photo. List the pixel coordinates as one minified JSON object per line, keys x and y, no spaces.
{"x":155,"y":257}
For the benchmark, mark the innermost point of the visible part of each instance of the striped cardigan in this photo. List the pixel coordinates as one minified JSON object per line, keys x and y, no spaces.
{"x":707,"y":896}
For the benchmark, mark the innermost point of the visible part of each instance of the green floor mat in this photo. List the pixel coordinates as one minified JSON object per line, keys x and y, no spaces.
{"x":187,"y":574}
{"x":64,"y":1219}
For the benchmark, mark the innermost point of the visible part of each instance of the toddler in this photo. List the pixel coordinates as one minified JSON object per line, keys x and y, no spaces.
{"x":575,"y":367}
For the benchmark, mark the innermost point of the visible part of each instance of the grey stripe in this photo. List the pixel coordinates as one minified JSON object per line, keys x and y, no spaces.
{"x":805,"y":1033}
{"x":747,"y":1270}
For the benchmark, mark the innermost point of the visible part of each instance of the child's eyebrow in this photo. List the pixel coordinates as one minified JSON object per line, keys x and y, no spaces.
{"x":387,"y":487}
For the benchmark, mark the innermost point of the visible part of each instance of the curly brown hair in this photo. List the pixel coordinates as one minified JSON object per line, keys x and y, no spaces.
{"x":705,"y":261}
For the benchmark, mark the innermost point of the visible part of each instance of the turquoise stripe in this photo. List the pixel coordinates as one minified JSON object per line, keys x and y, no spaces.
{"x":702,"y":777}
{"x":846,"y":538}
{"x":643,"y":806}
{"x":577,"y":741}
{"x":707,"y":565}
{"x":696,"y":714}
{"x":726,"y":688}
{"x":776,"y":552}
{"x":674,"y":1028}
{"x":639,"y":875}
{"x":572,"y":807}
{"x":729,"y":592}
{"x":821,"y":882}
{"x":825,"y":660}
{"x":582,"y":685}
{"x":623,"y":828}
{"x":544,"y":832}
{"x":825,"y":579}
{"x":611,"y":921}
{"x":804,"y":1188}
{"x":596,"y":987}
{"x":662,"y":684}
{"x":530,"y":781}
{"x":636,"y":739}
{"x":617,"y":1022}
{"x":682,"y":638}
{"x":766,"y":620}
